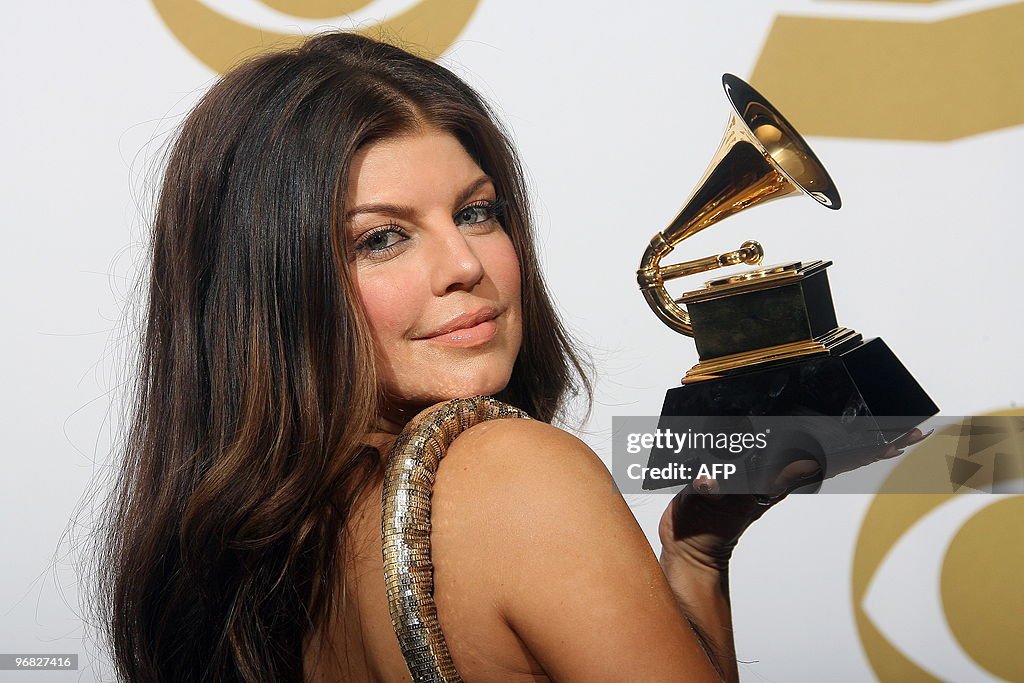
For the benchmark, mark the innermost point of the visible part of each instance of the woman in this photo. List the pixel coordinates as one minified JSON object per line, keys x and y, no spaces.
{"x":342,"y":241}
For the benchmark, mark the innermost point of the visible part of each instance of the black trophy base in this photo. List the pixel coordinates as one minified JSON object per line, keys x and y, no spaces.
{"x":752,"y":319}
{"x":861,"y":397}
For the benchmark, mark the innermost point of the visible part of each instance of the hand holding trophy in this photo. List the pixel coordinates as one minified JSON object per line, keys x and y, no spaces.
{"x":769,"y":343}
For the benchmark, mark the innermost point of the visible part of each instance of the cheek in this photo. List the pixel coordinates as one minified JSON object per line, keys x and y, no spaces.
{"x":505,"y":273}
{"x":504,"y":270}
{"x":387,"y":304}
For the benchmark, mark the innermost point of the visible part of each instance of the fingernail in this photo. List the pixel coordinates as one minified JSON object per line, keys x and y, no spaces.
{"x":892,"y":452}
{"x":703,"y":487}
{"x":922,"y":437}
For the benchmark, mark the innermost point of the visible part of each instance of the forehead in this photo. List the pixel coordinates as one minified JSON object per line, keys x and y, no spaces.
{"x":424,"y":164}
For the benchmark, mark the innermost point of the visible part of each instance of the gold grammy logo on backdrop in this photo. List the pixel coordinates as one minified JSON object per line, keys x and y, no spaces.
{"x":898,"y":80}
{"x":967,"y":624}
{"x":429,"y":27}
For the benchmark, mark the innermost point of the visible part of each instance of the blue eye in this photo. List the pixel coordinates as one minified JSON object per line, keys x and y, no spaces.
{"x":381,"y":242}
{"x":480,"y":212}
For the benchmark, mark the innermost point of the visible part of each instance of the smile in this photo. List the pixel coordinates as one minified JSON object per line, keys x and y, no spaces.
{"x":477,"y":335}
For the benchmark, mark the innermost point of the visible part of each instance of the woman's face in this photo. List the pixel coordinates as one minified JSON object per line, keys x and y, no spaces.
{"x":437,"y":275}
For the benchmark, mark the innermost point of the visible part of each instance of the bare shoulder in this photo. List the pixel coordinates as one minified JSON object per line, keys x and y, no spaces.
{"x":522,"y":452}
{"x":507,"y":486}
{"x":527,"y":520}
{"x":513,"y":479}
{"x":520,"y":487}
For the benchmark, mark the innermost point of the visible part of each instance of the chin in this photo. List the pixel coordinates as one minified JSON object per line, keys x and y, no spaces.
{"x":487,"y":384}
{"x":477,"y":388}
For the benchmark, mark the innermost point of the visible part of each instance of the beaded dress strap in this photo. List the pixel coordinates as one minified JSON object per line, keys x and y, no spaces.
{"x":405,"y":528}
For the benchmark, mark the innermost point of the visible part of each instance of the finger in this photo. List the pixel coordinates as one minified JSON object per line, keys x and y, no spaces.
{"x":896,"y":448}
{"x":891,"y":451}
{"x":922,"y":437}
{"x":912,"y":437}
{"x":907,"y":438}
{"x":796,"y":471}
{"x":861,"y":457}
{"x":705,"y":485}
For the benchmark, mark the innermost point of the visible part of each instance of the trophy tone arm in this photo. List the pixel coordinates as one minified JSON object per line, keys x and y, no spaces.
{"x":651,"y":276}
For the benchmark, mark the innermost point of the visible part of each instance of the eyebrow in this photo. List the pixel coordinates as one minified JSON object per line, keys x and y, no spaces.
{"x":407,"y":212}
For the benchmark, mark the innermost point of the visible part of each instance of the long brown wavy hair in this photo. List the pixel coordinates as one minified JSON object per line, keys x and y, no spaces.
{"x":254,"y":382}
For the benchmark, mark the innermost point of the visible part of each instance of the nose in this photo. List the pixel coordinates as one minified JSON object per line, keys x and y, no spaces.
{"x":455,"y":265}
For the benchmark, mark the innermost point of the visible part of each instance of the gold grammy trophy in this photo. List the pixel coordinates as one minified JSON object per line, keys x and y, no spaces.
{"x":768,"y":340}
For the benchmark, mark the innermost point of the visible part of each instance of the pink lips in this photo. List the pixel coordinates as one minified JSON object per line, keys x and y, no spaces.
{"x":469,"y":336}
{"x":468,"y":329}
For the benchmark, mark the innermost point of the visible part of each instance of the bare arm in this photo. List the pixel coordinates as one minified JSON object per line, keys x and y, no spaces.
{"x":702,"y":592}
{"x":699,"y":532}
{"x":532,"y":515}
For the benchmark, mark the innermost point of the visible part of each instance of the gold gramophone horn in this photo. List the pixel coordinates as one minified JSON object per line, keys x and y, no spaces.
{"x":761,"y":157}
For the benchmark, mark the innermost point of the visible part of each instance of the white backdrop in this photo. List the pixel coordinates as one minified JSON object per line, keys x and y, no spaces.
{"x":616,"y":109}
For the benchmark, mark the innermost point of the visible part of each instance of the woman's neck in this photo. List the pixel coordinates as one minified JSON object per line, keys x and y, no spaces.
{"x":384,"y":430}
{"x":395,"y":417}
